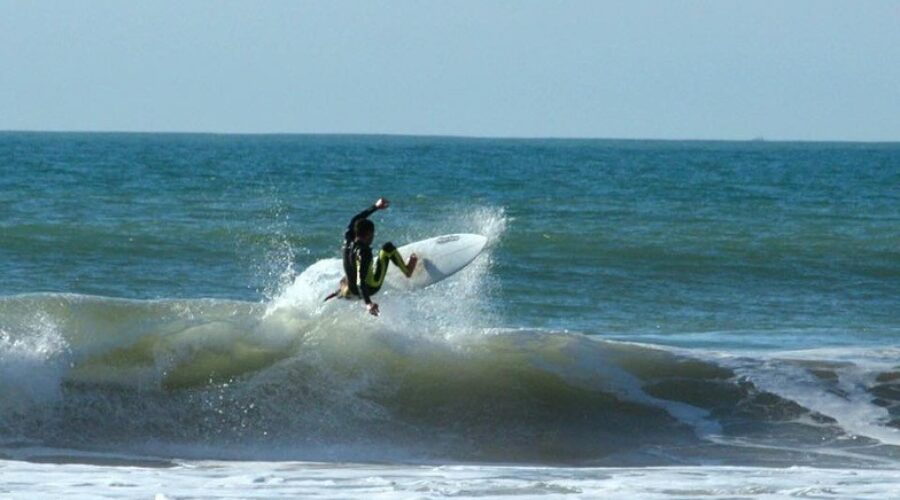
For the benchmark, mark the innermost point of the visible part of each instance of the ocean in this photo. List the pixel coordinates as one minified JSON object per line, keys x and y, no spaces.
{"x":650,"y":319}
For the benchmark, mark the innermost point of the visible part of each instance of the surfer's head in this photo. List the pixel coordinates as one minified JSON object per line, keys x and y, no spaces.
{"x":365,"y":230}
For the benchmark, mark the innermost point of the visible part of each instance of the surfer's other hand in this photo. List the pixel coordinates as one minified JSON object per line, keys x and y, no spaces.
{"x":372,"y":308}
{"x":382,"y":203}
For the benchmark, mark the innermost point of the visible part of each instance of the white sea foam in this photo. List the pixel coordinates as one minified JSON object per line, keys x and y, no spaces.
{"x":845,"y":397}
{"x":23,"y":480}
{"x":33,"y":361}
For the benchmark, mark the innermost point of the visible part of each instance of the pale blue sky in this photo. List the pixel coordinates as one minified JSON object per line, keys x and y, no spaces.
{"x":810,"y":70}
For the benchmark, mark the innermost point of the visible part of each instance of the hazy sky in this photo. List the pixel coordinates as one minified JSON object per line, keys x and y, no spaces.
{"x":814,"y":70}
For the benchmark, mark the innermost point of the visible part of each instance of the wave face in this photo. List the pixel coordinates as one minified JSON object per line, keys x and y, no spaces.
{"x":299,"y":380}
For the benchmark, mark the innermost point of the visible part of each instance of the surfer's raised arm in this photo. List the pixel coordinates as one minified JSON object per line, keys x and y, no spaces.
{"x":380,"y":204}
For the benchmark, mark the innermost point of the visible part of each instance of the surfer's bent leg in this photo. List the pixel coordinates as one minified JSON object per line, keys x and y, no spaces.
{"x":391,"y":252}
{"x":375,"y":274}
{"x":387,"y":255}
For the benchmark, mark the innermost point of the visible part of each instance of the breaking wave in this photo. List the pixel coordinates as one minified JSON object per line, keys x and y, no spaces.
{"x":433,"y":378}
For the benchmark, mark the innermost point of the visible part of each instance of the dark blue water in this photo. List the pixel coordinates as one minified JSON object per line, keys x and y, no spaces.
{"x":605,"y":237}
{"x":184,"y":268}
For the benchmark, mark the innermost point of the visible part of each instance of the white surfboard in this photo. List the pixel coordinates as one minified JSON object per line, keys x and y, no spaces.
{"x":439,"y":258}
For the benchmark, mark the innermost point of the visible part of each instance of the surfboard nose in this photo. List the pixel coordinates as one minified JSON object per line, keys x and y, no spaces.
{"x":440,"y":257}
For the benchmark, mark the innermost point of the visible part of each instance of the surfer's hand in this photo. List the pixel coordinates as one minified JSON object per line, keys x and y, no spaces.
{"x":372,"y":308}
{"x":382,"y":203}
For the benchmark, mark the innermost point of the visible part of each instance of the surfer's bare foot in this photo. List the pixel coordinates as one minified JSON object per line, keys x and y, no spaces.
{"x":411,"y":264}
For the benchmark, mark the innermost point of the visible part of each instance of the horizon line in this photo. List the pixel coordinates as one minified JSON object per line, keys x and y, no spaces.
{"x":762,"y":139}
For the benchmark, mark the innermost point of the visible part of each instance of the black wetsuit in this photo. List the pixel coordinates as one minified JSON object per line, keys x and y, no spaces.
{"x":359,"y":277}
{"x":353,"y":251}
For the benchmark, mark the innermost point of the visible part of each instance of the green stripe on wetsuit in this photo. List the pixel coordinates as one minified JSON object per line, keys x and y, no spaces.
{"x":375,"y":274}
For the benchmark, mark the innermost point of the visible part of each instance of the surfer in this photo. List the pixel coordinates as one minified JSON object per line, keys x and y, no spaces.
{"x":362,"y":279}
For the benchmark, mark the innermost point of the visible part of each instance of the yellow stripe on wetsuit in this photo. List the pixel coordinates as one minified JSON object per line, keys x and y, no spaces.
{"x":375,"y":274}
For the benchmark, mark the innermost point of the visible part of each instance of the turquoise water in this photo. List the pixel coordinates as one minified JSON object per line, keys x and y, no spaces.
{"x":751,"y":282}
{"x":798,"y":243}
